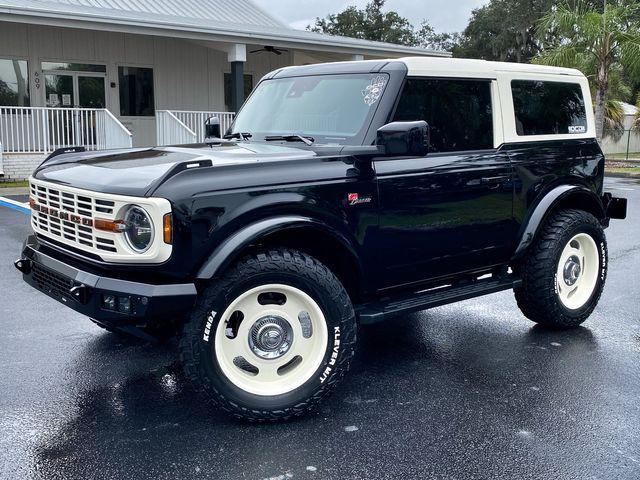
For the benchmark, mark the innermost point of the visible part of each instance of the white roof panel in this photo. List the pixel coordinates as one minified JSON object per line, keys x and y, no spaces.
{"x":477,"y":68}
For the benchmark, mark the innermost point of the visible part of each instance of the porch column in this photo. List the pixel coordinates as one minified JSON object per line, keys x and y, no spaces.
{"x":237,"y":56}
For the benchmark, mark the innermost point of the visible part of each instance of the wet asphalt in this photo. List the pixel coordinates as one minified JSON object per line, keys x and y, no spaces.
{"x":466,"y":391}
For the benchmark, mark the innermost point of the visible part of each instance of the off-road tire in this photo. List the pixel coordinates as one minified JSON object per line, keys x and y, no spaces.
{"x":537,"y":296}
{"x":282,"y":266}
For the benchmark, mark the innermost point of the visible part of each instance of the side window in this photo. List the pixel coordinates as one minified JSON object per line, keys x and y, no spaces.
{"x":14,"y":83}
{"x":548,"y":108}
{"x":458,"y":112}
{"x":136,"y":92}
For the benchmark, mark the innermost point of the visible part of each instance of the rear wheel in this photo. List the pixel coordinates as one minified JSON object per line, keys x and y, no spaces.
{"x":564,"y":273}
{"x":271,"y":338}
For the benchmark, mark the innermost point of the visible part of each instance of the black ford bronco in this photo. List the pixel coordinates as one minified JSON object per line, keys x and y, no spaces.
{"x":342,"y":194}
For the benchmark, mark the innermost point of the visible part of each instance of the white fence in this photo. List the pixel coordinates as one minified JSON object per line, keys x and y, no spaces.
{"x":44,"y":129}
{"x":626,"y":142}
{"x":175,"y":127}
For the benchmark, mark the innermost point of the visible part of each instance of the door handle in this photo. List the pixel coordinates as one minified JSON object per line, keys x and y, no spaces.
{"x":493,"y":183}
{"x":493,"y":179}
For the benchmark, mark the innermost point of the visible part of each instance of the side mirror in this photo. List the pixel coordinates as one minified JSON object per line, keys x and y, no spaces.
{"x":212,"y":128}
{"x":404,"y":139}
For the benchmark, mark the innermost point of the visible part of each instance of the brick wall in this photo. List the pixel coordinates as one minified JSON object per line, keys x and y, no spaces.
{"x":20,"y":166}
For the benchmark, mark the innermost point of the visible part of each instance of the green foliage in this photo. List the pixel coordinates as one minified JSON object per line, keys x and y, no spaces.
{"x":427,"y":37}
{"x":602,"y":42}
{"x":370,"y":23}
{"x":503,"y":30}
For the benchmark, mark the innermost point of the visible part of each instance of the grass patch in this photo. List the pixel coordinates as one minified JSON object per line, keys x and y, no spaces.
{"x":20,"y":183}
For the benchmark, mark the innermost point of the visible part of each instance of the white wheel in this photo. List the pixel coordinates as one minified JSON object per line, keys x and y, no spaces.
{"x":271,"y":339}
{"x":577,"y":271}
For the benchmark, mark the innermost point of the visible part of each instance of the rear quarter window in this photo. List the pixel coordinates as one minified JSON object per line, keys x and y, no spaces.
{"x":548,"y":108}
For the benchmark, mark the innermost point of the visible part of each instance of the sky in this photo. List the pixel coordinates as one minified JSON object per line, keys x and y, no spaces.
{"x":443,"y":15}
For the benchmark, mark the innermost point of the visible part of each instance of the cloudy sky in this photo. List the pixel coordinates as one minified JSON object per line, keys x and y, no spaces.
{"x":443,"y":15}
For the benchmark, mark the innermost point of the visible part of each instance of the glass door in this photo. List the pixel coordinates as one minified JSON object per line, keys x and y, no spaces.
{"x":59,"y":89}
{"x":91,"y":91}
{"x":70,"y":92}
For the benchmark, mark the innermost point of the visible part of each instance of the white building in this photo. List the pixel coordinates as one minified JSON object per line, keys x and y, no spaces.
{"x":110,"y":73}
{"x":629,"y":141}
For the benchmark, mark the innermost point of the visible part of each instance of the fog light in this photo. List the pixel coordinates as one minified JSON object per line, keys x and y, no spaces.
{"x":109,"y":302}
{"x":124,"y":304}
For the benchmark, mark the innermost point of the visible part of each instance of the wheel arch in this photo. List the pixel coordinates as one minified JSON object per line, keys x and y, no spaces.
{"x":315,"y":238}
{"x":559,"y":198}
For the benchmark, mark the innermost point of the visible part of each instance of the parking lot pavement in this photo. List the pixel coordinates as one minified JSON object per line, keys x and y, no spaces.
{"x":468,"y":391}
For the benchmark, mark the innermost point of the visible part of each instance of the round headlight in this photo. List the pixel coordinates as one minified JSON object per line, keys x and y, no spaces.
{"x":139,"y":232}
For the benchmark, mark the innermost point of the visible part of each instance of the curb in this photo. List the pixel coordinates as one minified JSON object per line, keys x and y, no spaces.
{"x":621,"y":175}
{"x":13,"y":205}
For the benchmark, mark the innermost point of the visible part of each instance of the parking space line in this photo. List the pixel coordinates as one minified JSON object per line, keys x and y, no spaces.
{"x":18,"y":206}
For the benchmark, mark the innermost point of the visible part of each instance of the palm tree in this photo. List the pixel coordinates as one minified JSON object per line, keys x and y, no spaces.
{"x":594,"y":41}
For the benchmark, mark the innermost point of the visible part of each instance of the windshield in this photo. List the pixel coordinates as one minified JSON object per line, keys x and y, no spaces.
{"x":330,"y":108}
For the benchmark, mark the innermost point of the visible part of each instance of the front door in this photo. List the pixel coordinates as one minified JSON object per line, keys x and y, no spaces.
{"x":450,"y":211}
{"x":74,"y":89}
{"x":69,"y":91}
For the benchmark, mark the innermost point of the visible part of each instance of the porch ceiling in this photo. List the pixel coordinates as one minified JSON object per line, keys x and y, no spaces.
{"x":212,"y":20}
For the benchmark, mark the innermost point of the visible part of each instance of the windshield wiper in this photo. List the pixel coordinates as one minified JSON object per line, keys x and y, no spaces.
{"x":290,"y":138}
{"x":238,"y":135}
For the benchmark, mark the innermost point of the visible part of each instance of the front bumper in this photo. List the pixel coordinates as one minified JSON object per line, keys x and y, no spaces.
{"x":85,"y":292}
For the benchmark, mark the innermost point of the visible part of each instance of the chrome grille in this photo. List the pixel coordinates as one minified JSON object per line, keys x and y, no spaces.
{"x":84,"y":207}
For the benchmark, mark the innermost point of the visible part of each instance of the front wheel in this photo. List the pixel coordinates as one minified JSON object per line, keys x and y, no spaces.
{"x":564,"y":273}
{"x":271,"y":338}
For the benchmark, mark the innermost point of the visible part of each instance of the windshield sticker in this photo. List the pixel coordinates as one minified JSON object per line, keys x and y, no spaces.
{"x":373,"y":91}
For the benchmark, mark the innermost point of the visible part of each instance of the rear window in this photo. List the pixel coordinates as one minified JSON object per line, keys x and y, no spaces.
{"x":548,"y":108}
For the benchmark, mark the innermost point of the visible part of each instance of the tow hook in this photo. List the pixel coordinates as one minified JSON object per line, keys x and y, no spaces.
{"x":80,"y":293}
{"x":24,"y":265}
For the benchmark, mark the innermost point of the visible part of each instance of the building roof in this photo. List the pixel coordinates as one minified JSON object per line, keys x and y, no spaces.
{"x":217,"y":20}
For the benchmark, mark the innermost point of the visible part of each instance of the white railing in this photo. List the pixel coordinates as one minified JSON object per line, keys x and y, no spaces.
{"x":44,"y":129}
{"x":112,"y":133}
{"x":171,"y":131}
{"x":176,"y":127}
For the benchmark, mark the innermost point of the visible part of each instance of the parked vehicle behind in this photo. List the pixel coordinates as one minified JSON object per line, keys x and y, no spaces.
{"x":341,"y":195}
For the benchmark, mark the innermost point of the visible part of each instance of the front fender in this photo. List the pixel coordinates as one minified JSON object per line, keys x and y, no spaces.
{"x":227,"y":251}
{"x":586,"y":199}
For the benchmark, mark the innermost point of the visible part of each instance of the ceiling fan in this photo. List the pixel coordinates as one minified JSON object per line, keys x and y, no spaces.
{"x":270,"y":49}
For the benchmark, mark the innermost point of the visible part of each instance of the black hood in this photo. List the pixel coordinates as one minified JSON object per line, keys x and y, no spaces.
{"x":137,"y":172}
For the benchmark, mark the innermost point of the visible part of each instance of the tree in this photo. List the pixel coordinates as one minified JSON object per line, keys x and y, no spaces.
{"x":370,"y":23}
{"x":595,"y":41}
{"x":427,"y":37}
{"x":503,"y":30}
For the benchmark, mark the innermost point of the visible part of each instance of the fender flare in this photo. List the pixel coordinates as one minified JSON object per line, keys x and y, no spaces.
{"x":227,"y":251}
{"x":534,"y":221}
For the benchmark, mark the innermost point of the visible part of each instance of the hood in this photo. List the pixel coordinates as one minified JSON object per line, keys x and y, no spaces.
{"x":136,"y":172}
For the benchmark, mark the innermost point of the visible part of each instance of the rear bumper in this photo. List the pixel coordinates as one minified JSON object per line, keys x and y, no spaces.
{"x":85,"y":292}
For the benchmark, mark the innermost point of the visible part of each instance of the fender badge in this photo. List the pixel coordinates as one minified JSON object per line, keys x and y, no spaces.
{"x":356,"y":199}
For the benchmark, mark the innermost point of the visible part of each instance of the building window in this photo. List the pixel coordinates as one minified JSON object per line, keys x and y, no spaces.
{"x":248,"y":87}
{"x":548,"y":108}
{"x":458,"y":112}
{"x":74,"y":67}
{"x":14,"y":83}
{"x":136,"y":92}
